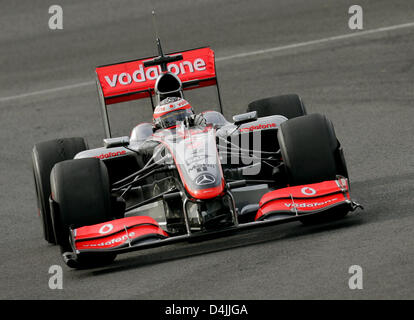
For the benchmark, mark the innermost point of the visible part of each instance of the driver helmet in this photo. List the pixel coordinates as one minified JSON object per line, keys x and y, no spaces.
{"x":171,"y":110}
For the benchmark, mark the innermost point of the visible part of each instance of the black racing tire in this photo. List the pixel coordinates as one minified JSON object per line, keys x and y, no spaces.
{"x":81,"y":193}
{"x":44,"y":156}
{"x":307,"y":146}
{"x":289,"y":105}
{"x":309,"y":150}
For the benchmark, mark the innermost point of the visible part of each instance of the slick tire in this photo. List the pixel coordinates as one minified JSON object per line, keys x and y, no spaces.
{"x":289,"y":105}
{"x":44,"y":156}
{"x":81,"y":195}
{"x":309,"y":149}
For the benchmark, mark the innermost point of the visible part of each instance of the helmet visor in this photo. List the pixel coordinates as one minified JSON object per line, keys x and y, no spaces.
{"x":170,"y":119}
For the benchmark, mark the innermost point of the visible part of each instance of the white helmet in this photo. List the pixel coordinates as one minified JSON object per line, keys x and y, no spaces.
{"x":171,"y":110}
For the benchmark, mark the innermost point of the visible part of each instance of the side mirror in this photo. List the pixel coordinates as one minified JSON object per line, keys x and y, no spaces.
{"x":116,"y":142}
{"x":245,"y":117}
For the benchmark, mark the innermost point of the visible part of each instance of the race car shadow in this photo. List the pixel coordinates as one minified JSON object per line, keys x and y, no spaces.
{"x":226,"y":242}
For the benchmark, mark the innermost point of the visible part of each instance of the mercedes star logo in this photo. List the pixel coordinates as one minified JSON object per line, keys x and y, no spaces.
{"x":204,"y":179}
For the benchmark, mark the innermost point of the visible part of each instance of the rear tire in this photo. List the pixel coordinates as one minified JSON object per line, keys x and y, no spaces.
{"x":81,"y":192}
{"x":44,"y":156}
{"x":289,"y":106}
{"x":309,"y":150}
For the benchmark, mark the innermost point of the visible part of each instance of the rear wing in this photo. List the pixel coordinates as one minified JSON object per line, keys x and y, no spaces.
{"x":131,"y":80}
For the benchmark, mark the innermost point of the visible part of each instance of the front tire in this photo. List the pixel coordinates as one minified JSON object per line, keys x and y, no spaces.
{"x":81,"y":193}
{"x":309,"y":149}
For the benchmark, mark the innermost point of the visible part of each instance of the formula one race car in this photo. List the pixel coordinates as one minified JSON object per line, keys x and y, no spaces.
{"x":185,"y":175}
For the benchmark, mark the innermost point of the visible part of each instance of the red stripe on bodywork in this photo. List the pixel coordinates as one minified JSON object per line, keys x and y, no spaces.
{"x":206,"y":193}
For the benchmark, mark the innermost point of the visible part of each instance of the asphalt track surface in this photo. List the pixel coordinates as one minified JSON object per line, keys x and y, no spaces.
{"x":363,"y":83}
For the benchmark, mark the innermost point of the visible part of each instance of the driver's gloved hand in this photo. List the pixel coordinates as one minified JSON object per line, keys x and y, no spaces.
{"x":199,"y":120}
{"x":195,"y":120}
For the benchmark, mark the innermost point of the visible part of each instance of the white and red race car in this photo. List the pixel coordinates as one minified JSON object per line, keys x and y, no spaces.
{"x":203,"y":176}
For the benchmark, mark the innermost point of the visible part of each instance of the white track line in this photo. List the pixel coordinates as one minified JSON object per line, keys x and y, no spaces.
{"x":47,"y":91}
{"x":319,"y":41}
{"x":231,"y":57}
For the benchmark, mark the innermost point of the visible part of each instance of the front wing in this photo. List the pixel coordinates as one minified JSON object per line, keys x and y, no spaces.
{"x":275,"y":207}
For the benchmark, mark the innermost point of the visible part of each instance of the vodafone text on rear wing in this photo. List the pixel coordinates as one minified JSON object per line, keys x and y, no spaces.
{"x":131,"y":80}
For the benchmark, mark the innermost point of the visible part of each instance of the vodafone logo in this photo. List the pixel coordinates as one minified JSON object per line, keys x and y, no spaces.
{"x":152,"y":73}
{"x":106,"y":228}
{"x":258,"y":127}
{"x":107,"y":243}
{"x":310,"y":205}
{"x":308,"y":191}
{"x":111,"y":154}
